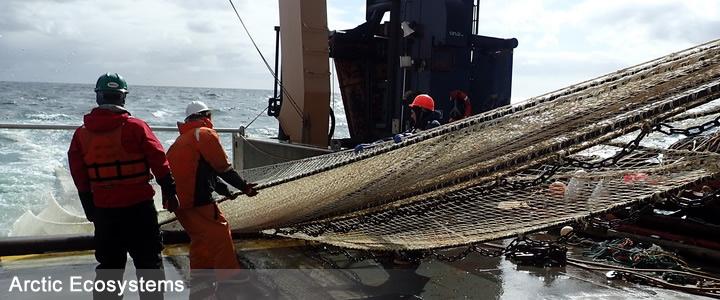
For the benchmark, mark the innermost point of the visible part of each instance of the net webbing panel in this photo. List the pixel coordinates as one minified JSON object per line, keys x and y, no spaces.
{"x":478,"y":214}
{"x":455,"y":163}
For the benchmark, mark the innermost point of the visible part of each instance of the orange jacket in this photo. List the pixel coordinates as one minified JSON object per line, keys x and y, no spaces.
{"x":197,"y":159}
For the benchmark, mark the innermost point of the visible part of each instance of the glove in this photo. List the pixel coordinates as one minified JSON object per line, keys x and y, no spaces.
{"x":170,"y":200}
{"x":250,"y":190}
{"x":169,"y":195}
{"x":400,"y":137}
{"x":88,"y":204}
{"x":361,"y":147}
{"x":222,"y":189}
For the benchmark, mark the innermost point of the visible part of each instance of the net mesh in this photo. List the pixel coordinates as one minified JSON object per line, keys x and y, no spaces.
{"x":492,"y":211}
{"x":440,"y":188}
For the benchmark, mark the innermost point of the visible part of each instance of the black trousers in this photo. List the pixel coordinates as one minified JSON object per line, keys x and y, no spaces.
{"x":133,"y":230}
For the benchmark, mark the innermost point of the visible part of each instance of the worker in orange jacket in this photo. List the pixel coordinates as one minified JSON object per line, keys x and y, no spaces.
{"x":197,"y":159}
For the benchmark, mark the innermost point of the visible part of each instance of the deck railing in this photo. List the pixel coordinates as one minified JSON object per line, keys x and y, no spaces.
{"x":73,"y":127}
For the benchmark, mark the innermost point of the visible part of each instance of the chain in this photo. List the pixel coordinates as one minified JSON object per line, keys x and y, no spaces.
{"x":610,"y":161}
{"x":538,"y":253}
{"x":696,"y":202}
{"x":671,"y":197}
{"x":633,"y":216}
{"x":631,"y":146}
{"x":637,"y":211}
{"x":542,"y":178}
{"x":668,"y":129}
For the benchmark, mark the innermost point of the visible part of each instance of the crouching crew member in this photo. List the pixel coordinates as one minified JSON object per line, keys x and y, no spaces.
{"x":423,"y":115}
{"x":461,"y":107}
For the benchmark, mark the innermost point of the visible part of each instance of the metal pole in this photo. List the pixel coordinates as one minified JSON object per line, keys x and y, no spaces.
{"x":402,"y":104}
{"x":477,"y":17}
{"x":277,"y":60}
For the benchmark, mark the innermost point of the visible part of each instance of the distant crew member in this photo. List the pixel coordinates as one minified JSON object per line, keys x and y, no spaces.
{"x":197,"y":159}
{"x":110,"y":159}
{"x":461,"y":107}
{"x":423,"y":115}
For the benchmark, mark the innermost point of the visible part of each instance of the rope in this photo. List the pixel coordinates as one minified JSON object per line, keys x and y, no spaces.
{"x":258,"y":115}
{"x":263,"y":151}
{"x":709,"y":292}
{"x":695,"y":115}
{"x":218,"y":201}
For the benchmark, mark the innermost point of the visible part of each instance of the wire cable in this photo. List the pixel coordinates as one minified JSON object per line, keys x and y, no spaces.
{"x":256,"y":117}
{"x":277,"y":80}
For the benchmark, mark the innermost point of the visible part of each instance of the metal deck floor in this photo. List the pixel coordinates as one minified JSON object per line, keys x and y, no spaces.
{"x":286,"y":270}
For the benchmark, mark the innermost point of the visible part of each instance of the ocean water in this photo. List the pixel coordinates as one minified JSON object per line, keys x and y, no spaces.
{"x":33,"y":163}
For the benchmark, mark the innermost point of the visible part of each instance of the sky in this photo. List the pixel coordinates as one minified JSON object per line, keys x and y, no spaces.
{"x":202,"y":43}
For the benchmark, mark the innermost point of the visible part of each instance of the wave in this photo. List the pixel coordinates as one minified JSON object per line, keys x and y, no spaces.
{"x":160,"y":114}
{"x":49,"y":117}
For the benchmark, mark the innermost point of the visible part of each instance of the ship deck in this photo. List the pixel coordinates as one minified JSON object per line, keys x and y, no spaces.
{"x":288,"y":269}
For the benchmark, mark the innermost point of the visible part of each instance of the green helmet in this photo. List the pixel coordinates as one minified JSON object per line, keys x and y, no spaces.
{"x":111,"y":83}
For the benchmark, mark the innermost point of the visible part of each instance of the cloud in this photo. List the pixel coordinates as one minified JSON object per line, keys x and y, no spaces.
{"x":563,"y":42}
{"x":201,"y":43}
{"x":10,"y":20}
{"x":202,"y":26}
{"x":205,"y":5}
{"x":153,"y":42}
{"x":165,"y":42}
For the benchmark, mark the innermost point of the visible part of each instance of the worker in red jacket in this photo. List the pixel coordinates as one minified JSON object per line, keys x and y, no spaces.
{"x":198,"y":161}
{"x":111,"y":158}
{"x":461,"y":107}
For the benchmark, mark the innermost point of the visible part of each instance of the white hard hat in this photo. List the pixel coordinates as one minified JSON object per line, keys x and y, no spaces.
{"x":195,"y":107}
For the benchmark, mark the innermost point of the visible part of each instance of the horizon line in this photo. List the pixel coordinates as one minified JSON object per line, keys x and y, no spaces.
{"x":144,"y":85}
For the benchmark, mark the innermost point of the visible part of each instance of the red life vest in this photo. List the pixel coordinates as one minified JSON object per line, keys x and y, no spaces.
{"x":107,"y":163}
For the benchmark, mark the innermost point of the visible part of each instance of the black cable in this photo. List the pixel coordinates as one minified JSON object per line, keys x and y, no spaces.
{"x":257,"y":116}
{"x":277,"y":80}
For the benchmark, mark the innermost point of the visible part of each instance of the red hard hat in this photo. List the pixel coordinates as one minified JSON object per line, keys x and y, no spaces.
{"x":424,"y":101}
